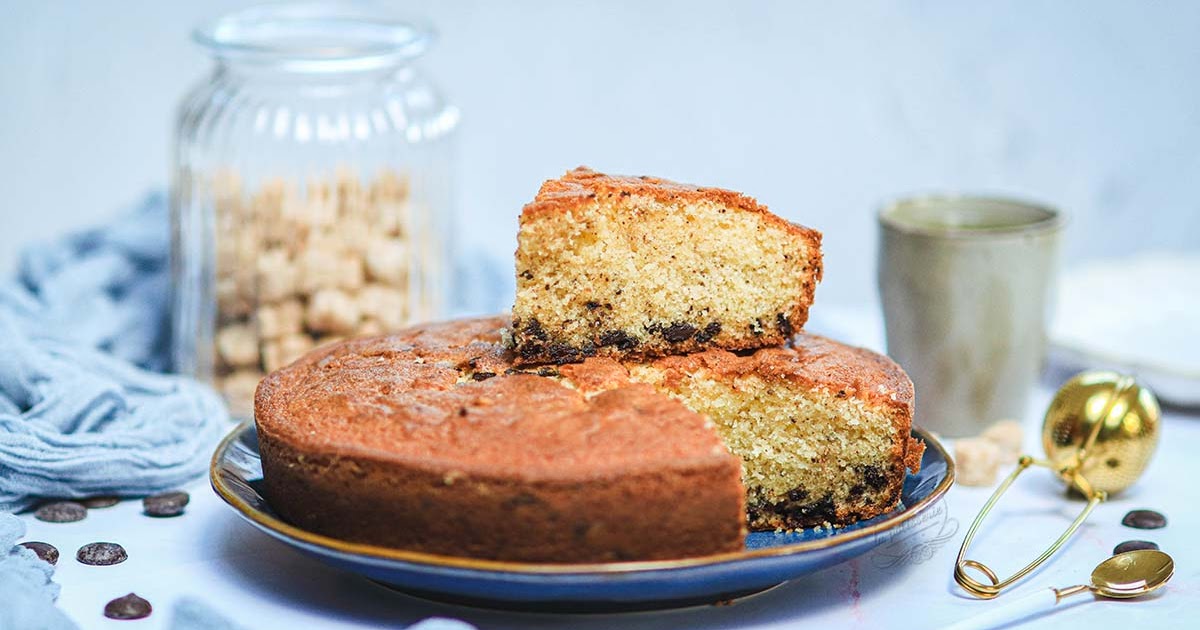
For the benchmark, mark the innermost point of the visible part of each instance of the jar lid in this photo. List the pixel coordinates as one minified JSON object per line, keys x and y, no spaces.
{"x":316,"y":36}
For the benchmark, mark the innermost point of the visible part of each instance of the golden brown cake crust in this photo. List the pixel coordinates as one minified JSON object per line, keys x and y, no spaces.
{"x":425,"y":440}
{"x":582,"y":184}
{"x":813,"y":361}
{"x":581,"y":187}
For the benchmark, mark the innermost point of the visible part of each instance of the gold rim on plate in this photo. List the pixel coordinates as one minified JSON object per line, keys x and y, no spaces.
{"x":457,"y":562}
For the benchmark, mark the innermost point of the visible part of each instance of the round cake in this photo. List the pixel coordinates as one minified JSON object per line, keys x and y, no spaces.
{"x":433,"y":440}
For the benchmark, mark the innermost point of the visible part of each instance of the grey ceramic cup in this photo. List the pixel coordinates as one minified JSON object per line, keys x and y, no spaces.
{"x":966,"y":288}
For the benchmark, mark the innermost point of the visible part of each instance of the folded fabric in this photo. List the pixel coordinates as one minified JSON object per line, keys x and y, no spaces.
{"x":77,"y":417}
{"x":76,"y":422}
{"x":26,"y":593}
{"x":106,"y":288}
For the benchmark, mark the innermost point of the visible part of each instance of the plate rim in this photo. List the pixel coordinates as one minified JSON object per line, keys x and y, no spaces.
{"x":442,"y":561}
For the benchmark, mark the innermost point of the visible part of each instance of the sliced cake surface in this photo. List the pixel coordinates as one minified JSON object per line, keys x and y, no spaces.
{"x":822,"y":428}
{"x":639,"y":267}
{"x":433,"y":439}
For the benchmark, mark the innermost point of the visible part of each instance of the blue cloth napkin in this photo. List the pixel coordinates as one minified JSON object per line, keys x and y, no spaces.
{"x":80,"y":411}
{"x":26,"y":593}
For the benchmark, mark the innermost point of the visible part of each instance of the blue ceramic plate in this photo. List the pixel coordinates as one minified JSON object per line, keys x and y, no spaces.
{"x":768,"y":559}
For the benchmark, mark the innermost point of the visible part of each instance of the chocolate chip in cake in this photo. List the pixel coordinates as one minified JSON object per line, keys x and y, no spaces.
{"x":61,"y":512}
{"x":128,"y":607}
{"x":678,"y":332}
{"x":534,"y":330}
{"x":531,"y":351}
{"x":1144,"y":519}
{"x":873,"y":476}
{"x":560,"y":352}
{"x":527,"y":274}
{"x":101,"y":554}
{"x":482,"y":376}
{"x":619,"y":338}
{"x":783,"y":324}
{"x":165,"y":504}
{"x":710,"y":331}
{"x":93,"y":503}
{"x":822,"y":510}
{"x":566,"y":353}
{"x":45,"y":551}
{"x":547,"y":371}
{"x":797,"y":513}
{"x":756,"y":328}
{"x":591,"y":305}
{"x":1134,"y":545}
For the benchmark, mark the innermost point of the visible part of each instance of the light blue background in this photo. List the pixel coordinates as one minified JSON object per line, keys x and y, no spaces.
{"x":820,"y":111}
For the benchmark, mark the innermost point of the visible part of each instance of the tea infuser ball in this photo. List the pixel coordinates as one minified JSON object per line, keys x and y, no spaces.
{"x":1125,"y":418}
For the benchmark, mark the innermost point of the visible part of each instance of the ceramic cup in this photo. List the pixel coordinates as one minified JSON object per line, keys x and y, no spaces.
{"x":966,"y":286}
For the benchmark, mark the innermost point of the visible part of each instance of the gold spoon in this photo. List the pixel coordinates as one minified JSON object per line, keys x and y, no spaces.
{"x":1125,"y":575}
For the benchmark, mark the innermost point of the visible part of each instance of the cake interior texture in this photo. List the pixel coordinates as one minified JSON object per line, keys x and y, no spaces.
{"x":639,"y":267}
{"x":810,"y":457}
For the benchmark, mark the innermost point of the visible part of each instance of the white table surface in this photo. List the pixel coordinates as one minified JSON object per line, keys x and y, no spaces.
{"x":212,"y":555}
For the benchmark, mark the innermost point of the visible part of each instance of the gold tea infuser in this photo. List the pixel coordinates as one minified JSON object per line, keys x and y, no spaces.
{"x":1123,"y":576}
{"x":1099,"y":434}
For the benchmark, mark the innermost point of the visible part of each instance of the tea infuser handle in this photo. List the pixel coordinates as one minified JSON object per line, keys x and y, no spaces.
{"x":989,"y":591}
{"x":1038,"y":601}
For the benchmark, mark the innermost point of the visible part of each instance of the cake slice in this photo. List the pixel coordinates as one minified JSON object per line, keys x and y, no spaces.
{"x":822,"y":428}
{"x":640,"y":267}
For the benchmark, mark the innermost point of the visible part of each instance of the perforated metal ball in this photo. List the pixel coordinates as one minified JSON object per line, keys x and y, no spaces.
{"x":1125,"y":416}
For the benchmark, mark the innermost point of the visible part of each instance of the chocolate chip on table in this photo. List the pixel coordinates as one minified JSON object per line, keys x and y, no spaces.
{"x":61,"y":512}
{"x":1134,"y":545}
{"x":129,"y":607}
{"x":93,"y":503}
{"x":1144,"y":519}
{"x":165,"y":504}
{"x":45,"y":551}
{"x":101,"y":554}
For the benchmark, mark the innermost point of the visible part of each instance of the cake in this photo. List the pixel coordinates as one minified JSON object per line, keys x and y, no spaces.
{"x":639,"y":267}
{"x":434,"y":439}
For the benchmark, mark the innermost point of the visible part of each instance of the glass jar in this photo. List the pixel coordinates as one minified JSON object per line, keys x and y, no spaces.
{"x":311,"y":194}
